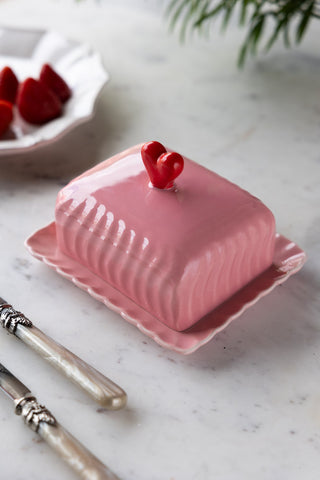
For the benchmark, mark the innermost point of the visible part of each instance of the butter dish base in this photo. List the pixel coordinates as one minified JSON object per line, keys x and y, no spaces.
{"x":288,"y":260}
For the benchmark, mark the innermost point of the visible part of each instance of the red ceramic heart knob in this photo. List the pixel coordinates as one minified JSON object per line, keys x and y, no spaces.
{"x":163,"y":167}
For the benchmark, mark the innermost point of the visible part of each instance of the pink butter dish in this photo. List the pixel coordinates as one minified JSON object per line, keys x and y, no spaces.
{"x":174,"y":248}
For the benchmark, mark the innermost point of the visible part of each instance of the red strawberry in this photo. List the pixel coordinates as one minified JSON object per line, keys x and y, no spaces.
{"x":50,"y":78}
{"x":8,"y":85}
{"x":37,"y":103}
{"x":6,"y":115}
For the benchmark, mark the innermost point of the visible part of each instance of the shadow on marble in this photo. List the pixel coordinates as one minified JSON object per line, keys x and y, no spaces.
{"x":285,"y":80}
{"x":282,"y":326}
{"x":125,"y":417}
{"x":289,"y":61}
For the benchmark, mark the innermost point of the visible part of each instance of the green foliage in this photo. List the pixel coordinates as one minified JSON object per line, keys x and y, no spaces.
{"x":287,"y":18}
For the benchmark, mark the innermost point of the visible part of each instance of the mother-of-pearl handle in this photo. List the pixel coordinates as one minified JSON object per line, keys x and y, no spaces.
{"x":74,"y":453}
{"x":40,"y":420}
{"x":102,"y":389}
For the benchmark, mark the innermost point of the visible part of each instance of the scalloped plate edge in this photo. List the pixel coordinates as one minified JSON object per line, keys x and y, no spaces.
{"x":78,"y":55}
{"x":288,"y":260}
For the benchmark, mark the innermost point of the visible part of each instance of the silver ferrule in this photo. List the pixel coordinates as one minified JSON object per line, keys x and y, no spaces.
{"x":11,"y":318}
{"x":33,"y":413}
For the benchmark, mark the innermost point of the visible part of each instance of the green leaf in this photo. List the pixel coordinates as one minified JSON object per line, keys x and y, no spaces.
{"x":171,"y":6}
{"x":205,"y":15}
{"x":177,"y":13}
{"x":275,"y":35}
{"x":202,"y":13}
{"x":186,"y":21}
{"x":253,"y":14}
{"x":242,"y":55}
{"x":243,"y":12}
{"x":227,"y":15}
{"x":286,"y":37}
{"x":306,"y":16}
{"x":255,"y":33}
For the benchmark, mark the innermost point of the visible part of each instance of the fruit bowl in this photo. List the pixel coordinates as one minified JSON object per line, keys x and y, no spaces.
{"x":25,"y":51}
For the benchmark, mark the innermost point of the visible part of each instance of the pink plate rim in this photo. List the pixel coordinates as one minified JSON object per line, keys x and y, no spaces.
{"x":288,"y":259}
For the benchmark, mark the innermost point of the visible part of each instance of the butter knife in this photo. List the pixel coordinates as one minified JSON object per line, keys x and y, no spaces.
{"x":40,"y":420}
{"x":102,"y":389}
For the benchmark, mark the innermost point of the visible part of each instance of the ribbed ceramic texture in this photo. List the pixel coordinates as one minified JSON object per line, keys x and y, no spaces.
{"x":178,"y":297}
{"x":120,"y":256}
{"x":288,"y":259}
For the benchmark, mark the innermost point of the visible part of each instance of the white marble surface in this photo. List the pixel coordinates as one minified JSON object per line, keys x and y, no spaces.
{"x":247,"y":405}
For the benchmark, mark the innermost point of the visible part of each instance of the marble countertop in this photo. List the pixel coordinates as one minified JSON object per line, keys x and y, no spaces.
{"x":246,"y":405}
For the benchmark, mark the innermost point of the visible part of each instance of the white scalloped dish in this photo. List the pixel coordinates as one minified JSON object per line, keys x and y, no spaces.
{"x":288,"y":259}
{"x":25,"y":51}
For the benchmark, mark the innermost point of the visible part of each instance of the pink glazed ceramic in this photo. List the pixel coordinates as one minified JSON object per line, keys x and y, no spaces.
{"x":165,"y":257}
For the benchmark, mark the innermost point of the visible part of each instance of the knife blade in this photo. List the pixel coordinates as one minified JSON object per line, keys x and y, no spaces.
{"x":41,"y":421}
{"x":102,"y":389}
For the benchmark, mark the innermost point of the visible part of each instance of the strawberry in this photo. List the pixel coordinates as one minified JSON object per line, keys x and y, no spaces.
{"x":8,"y":85}
{"x":52,"y":80}
{"x":37,"y":103}
{"x":6,"y":115}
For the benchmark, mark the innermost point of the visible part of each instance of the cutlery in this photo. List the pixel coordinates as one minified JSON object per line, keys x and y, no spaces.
{"x":102,"y":389}
{"x":41,"y":421}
